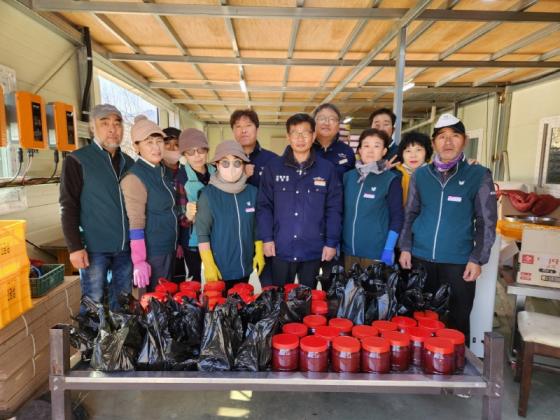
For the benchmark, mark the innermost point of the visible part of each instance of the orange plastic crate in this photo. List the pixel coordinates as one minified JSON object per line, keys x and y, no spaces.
{"x":12,"y":242}
{"x":15,"y":293}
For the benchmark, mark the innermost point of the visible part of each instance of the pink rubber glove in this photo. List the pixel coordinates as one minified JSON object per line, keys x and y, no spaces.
{"x":142,"y":270}
{"x":180,"y":253}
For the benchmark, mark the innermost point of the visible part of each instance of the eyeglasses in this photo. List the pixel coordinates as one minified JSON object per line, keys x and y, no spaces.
{"x":301,"y":134}
{"x":200,"y":151}
{"x":225,"y":163}
{"x":330,"y":120}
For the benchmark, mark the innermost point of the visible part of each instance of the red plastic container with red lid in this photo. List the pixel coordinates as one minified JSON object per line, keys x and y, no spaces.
{"x":427,"y":314}
{"x":404,"y":322}
{"x":458,"y":339}
{"x":383,"y":326}
{"x":318,"y":294}
{"x":288,"y":287}
{"x":345,"y":354}
{"x":439,"y":356}
{"x":296,"y":328}
{"x":285,"y":352}
{"x":400,"y":349}
{"x":431,"y":324}
{"x":215,"y":285}
{"x":166,"y":286}
{"x":319,"y":307}
{"x":314,"y":321}
{"x":417,"y":337}
{"x":189,"y":285}
{"x":362,"y":331}
{"x":376,"y":355}
{"x":327,"y":332}
{"x":244,"y":287}
{"x":213,"y":301}
{"x":146,"y":297}
{"x":178,"y":297}
{"x":344,"y":325}
{"x":313,"y":354}
{"x":212,"y":294}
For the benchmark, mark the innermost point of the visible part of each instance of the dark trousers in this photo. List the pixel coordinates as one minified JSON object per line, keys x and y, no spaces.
{"x":162,"y":267}
{"x":265,"y":277}
{"x":193,"y":262}
{"x":462,"y":292}
{"x":285,"y":272}
{"x":231,"y":283}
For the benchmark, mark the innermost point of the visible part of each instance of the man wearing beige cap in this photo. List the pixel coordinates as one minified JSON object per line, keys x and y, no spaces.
{"x":93,"y":216}
{"x":150,"y":206}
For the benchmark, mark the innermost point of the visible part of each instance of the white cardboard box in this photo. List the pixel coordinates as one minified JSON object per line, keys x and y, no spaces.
{"x":539,"y":259}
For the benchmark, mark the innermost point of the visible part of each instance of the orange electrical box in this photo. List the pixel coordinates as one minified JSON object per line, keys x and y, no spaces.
{"x":63,"y":133}
{"x":3,"y":127}
{"x":27,"y":118}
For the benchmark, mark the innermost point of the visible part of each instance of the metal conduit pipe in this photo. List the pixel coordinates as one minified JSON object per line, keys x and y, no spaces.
{"x":431,"y":120}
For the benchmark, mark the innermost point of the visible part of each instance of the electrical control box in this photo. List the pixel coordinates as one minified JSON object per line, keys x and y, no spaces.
{"x":3,"y":127}
{"x":27,"y":119}
{"x":62,"y":126}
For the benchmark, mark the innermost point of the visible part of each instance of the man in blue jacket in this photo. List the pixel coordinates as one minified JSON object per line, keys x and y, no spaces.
{"x":450,"y":220}
{"x":299,"y":207}
{"x":93,"y":216}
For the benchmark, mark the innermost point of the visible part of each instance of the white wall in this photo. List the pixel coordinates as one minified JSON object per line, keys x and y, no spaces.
{"x":529,"y":105}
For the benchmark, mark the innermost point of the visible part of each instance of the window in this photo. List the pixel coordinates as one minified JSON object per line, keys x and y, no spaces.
{"x":548,"y":155}
{"x":129,"y":103}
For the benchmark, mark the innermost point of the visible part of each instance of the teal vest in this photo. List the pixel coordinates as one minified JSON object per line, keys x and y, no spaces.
{"x":443,"y":232}
{"x":103,"y":220}
{"x":161,"y":221}
{"x":366,"y":214}
{"x":192,"y":189}
{"x":233,"y":230}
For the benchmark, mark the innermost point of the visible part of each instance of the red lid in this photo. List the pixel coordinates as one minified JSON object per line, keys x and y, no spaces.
{"x":418,"y":333}
{"x":431,"y":324}
{"x":376,"y":344}
{"x":215,"y":285}
{"x":295,"y":328}
{"x":384,"y":326}
{"x":397,"y":338}
{"x":439,"y":345}
{"x":146,"y":297}
{"x":288,"y":287}
{"x":456,"y":336}
{"x":313,"y":321}
{"x":314,"y":344}
{"x":318,"y":295}
{"x":344,"y":325}
{"x":241,"y":292}
{"x":326,"y":332}
{"x":212,"y":293}
{"x":404,"y":321}
{"x":191,"y":294}
{"x":362,"y":331}
{"x":189,"y":285}
{"x":346,"y":344}
{"x":212,"y":302}
{"x":243,"y":286}
{"x":285,"y":341}
{"x":249,"y":298}
{"x":418,"y":315}
{"x":319,"y":307}
{"x":166,"y":286}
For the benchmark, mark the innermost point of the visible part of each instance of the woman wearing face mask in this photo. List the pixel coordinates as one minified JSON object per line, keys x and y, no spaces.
{"x":193,"y":175}
{"x":373,"y":211}
{"x":225,"y":221}
{"x":149,"y":201}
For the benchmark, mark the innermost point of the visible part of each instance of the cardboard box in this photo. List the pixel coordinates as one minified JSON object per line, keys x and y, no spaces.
{"x":539,"y":259}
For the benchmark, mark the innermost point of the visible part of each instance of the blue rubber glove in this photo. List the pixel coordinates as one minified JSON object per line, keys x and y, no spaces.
{"x":388,"y":254}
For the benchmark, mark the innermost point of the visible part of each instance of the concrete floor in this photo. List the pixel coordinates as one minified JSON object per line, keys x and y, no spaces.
{"x":543,"y":403}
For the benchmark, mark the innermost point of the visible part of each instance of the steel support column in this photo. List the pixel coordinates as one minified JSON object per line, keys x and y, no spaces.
{"x":399,"y":84}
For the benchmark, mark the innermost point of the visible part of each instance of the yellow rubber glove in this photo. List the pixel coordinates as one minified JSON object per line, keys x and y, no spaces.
{"x":211,"y":271}
{"x":258,"y":259}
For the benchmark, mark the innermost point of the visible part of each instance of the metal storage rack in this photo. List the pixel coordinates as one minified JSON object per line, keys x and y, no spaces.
{"x":483,"y":379}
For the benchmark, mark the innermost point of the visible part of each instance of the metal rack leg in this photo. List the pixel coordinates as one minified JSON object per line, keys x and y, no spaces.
{"x":493,"y":373}
{"x":61,"y":408}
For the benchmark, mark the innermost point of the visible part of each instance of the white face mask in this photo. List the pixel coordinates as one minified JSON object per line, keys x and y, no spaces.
{"x":231,"y":174}
{"x":171,"y":157}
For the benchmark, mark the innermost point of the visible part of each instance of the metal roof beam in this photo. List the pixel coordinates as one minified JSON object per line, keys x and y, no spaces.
{"x":320,"y":62}
{"x":292,"y":103}
{"x":252,"y":12}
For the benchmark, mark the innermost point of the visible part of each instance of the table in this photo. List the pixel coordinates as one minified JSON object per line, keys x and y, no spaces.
{"x":521,"y":292}
{"x":480,"y":379}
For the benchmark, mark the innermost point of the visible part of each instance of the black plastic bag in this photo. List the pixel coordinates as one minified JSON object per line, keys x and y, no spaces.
{"x":297,"y":306}
{"x":157,"y":341}
{"x":117,"y":343}
{"x":255,"y":354}
{"x":186,"y":321}
{"x":353,"y":302}
{"x":335,"y":293}
{"x":416,"y":278}
{"x":223,"y":333}
{"x":83,"y":337}
{"x":440,"y":300}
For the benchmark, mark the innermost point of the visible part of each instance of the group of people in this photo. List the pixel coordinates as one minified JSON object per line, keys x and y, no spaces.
{"x":246,"y":209}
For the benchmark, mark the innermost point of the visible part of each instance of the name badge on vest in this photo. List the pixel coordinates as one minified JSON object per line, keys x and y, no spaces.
{"x":342,"y":161}
{"x":250,"y":210}
{"x":454,"y":199}
{"x":319,"y":182}
{"x":368,"y":195}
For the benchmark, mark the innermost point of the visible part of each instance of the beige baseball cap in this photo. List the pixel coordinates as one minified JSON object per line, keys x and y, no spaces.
{"x":229,"y":147}
{"x":144,"y":128}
